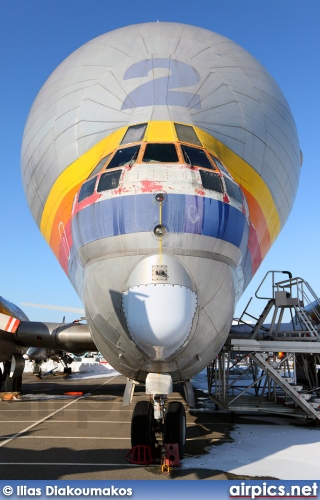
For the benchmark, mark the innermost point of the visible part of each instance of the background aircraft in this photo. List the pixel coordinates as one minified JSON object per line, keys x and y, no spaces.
{"x":160,"y":162}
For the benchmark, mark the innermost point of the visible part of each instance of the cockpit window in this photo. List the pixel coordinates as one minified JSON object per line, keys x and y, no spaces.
{"x":135,"y":133}
{"x":124,"y":156}
{"x":163,"y":153}
{"x":196,"y":157}
{"x":233,"y":190}
{"x":109,"y":180}
{"x":211,"y":181}
{"x":87,"y":189}
{"x":99,"y":166}
{"x":220,"y":166}
{"x":186,"y":133}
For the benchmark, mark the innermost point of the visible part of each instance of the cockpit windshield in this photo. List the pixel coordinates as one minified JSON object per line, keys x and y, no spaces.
{"x":162,"y":153}
{"x":196,"y":157}
{"x":124,"y":156}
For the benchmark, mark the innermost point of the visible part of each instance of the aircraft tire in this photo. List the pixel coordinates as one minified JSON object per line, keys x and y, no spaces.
{"x":175,"y":426}
{"x":142,"y":425}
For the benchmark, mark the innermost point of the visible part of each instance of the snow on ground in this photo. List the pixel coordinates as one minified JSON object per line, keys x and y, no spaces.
{"x":280,"y":450}
{"x":85,"y":369}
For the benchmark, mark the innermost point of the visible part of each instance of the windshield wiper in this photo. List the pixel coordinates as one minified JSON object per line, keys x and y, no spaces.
{"x":134,"y":157}
{"x":186,"y":156}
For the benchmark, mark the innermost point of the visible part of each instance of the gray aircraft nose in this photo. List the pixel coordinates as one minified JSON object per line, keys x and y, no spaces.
{"x":159,"y":306}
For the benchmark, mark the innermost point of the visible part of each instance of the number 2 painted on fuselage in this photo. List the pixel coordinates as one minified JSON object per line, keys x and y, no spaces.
{"x":159,"y":91}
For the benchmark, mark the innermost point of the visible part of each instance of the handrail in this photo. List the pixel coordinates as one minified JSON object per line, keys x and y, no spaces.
{"x":294,"y":294}
{"x":273,"y":283}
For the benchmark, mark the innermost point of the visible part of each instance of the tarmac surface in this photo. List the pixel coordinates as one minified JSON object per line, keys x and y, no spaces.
{"x":48,"y":435}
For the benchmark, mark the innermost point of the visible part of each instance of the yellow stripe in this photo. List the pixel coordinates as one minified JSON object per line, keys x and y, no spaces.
{"x":76,"y":173}
{"x":161,"y":131}
{"x":246,"y":176}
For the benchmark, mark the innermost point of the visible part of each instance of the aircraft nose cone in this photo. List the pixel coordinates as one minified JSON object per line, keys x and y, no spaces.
{"x":159,"y":317}
{"x":159,"y":313}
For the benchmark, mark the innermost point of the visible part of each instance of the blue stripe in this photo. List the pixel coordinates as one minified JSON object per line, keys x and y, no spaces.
{"x":180,"y":214}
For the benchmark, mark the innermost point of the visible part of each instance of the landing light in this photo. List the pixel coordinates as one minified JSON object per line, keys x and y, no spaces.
{"x":159,"y":231}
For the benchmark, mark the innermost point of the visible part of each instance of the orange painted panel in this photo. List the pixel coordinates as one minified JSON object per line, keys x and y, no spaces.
{"x":63,"y":216}
{"x":258,"y":220}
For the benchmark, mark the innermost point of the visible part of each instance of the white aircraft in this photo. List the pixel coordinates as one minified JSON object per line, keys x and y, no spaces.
{"x":160,"y":162}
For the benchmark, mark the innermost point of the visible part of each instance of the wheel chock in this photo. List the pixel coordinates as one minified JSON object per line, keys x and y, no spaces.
{"x":140,"y":455}
{"x":165,"y":466}
{"x":7,"y":396}
{"x":171,"y":456}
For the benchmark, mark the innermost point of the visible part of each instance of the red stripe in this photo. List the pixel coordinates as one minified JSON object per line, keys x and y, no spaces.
{"x":6,"y":328}
{"x":15,"y":326}
{"x":12,"y":325}
{"x":254,"y":249}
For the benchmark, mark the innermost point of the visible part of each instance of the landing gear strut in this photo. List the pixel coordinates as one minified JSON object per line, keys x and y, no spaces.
{"x":66,"y":360}
{"x":12,"y":374}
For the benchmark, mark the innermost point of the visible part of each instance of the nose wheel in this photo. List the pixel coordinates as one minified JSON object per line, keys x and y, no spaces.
{"x":174,"y":430}
{"x":144,"y":425}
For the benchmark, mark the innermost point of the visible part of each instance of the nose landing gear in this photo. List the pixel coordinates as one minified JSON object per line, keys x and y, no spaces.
{"x":170,"y":428}
{"x":157,"y":428}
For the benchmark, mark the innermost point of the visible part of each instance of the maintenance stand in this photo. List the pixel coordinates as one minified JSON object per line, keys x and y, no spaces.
{"x":272,"y":367}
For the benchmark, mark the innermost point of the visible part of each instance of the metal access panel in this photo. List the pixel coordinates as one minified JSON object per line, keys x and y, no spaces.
{"x":160,"y":273}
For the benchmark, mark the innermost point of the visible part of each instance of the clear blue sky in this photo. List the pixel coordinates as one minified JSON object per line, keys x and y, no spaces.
{"x":36,"y":35}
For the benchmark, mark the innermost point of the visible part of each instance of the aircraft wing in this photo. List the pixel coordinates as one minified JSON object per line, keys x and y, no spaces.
{"x":70,"y":337}
{"x":17,"y":334}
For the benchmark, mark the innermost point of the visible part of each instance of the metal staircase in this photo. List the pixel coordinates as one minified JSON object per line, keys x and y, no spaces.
{"x":288,"y":389}
{"x":294,"y":295}
{"x":256,"y":371}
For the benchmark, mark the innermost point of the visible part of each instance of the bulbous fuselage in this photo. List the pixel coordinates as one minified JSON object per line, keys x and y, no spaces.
{"x":160,"y":179}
